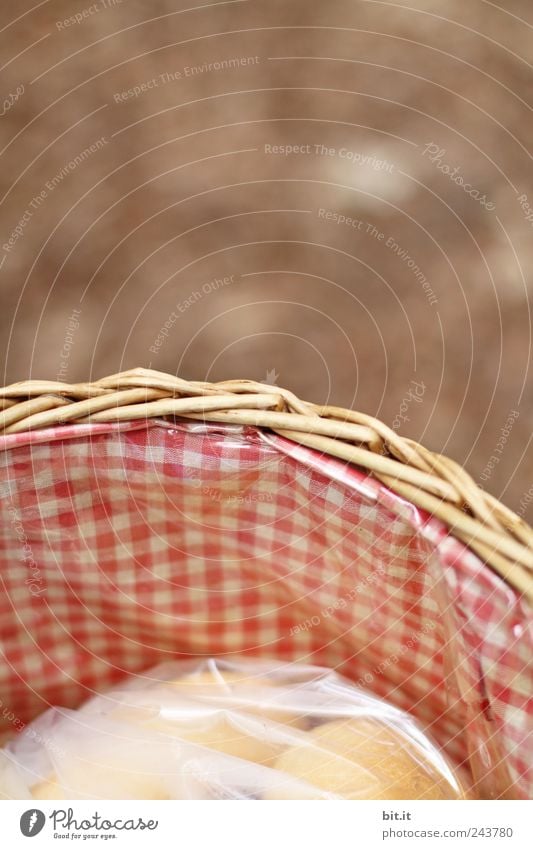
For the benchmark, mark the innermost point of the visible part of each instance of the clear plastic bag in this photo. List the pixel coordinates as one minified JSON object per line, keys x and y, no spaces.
{"x":228,"y":729}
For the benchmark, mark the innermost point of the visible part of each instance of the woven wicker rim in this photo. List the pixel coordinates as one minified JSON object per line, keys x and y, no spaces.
{"x":430,"y":481}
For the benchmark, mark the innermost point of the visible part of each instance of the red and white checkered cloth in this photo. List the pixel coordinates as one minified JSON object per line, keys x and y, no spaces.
{"x":124,"y":545}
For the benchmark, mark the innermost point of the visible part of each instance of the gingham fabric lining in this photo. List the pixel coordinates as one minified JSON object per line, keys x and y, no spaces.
{"x":124,"y":545}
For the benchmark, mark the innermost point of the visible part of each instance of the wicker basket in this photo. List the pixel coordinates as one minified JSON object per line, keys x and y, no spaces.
{"x":451,"y":552}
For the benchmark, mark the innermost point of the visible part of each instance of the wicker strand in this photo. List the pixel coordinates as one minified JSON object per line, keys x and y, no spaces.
{"x":430,"y":481}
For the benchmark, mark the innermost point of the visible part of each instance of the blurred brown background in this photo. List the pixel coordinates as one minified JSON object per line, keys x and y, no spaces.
{"x":153,"y":214}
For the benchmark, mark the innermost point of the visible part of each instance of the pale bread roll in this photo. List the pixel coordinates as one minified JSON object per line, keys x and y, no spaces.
{"x":219,"y":683}
{"x":100,"y":766}
{"x":363,"y":759}
{"x":217,"y":709}
{"x":48,"y":790}
{"x":222,"y":735}
{"x":129,"y":788}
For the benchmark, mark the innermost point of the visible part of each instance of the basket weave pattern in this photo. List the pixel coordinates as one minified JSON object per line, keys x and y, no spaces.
{"x":430,"y":481}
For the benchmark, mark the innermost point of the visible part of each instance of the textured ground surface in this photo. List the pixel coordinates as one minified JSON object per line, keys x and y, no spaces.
{"x":185,"y":240}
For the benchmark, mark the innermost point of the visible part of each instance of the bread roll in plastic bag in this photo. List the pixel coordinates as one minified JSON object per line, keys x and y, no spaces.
{"x":228,"y":729}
